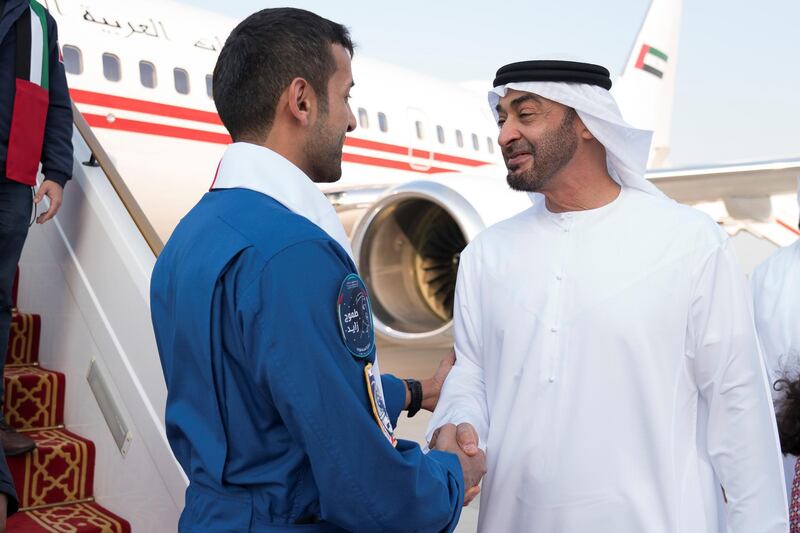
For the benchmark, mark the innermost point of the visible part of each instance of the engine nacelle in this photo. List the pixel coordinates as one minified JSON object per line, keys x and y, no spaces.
{"x":408,"y":244}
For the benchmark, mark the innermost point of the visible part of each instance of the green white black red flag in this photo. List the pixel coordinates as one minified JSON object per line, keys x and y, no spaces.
{"x":31,"y":95}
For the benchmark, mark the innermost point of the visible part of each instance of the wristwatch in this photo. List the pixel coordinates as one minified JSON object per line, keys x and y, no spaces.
{"x":415,"y":388}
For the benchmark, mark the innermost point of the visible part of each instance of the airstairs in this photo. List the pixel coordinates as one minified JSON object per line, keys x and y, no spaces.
{"x":83,"y":376}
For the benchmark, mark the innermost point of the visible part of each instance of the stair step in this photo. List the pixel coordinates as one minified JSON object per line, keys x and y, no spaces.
{"x":23,"y":339}
{"x":55,"y":482}
{"x":34,"y":397}
{"x":86,"y":517}
{"x":60,"y":470}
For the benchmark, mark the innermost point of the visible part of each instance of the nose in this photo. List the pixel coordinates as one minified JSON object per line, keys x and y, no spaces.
{"x":351,"y":120}
{"x":508,"y":134}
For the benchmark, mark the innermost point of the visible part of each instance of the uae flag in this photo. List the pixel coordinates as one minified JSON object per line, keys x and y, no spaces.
{"x":31,"y":96}
{"x":652,"y":60}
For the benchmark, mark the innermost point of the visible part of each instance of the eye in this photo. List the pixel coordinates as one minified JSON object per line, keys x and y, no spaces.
{"x":500,"y":122}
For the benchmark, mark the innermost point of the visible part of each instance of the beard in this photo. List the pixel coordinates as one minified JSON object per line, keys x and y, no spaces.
{"x":324,"y":151}
{"x":549,"y":155}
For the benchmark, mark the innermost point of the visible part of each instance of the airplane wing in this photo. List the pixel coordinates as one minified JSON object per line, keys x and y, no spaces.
{"x":745,"y":180}
{"x":746,"y":198}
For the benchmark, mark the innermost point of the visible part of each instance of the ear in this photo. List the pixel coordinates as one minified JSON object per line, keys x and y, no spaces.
{"x":302,"y":100}
{"x":583,"y":131}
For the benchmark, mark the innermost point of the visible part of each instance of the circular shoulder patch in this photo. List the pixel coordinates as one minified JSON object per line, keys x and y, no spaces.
{"x":355,"y":316}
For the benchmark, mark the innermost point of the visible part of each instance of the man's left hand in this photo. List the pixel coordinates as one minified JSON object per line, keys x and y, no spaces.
{"x":432,"y":387}
{"x":53,"y":191}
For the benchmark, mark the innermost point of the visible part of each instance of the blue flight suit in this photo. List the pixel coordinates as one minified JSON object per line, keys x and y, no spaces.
{"x":267,"y":411}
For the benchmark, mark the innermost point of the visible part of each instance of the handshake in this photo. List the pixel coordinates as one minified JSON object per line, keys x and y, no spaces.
{"x":463,"y":442}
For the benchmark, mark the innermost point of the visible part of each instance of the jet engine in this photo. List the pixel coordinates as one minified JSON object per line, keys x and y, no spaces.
{"x":408,"y":244}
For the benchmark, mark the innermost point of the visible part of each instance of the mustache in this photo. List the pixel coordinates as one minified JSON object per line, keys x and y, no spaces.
{"x":517,"y":148}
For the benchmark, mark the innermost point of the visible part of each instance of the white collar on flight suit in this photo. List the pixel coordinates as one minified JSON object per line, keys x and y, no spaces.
{"x":253,"y":167}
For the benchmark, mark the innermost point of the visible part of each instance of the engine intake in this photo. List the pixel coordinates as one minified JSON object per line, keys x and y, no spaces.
{"x":408,"y":246}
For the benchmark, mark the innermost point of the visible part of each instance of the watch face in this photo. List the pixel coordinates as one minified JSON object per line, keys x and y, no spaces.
{"x":355,"y":316}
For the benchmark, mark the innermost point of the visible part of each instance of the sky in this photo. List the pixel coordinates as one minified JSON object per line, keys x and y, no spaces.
{"x":737,"y":95}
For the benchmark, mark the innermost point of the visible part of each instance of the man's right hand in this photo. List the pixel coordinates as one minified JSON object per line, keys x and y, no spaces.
{"x":463,"y":441}
{"x":466,"y":436}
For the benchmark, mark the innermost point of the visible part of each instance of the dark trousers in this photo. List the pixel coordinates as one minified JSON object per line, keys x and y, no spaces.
{"x":16,"y":203}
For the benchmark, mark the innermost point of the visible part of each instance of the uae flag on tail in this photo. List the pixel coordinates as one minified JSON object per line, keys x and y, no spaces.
{"x":652,"y":60}
{"x":31,"y":95}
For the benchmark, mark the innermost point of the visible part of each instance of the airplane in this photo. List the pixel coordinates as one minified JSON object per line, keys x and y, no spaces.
{"x":143,"y":83}
{"x":422,"y":175}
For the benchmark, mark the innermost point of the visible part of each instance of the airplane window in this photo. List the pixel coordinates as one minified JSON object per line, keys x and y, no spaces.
{"x":490,"y":145}
{"x":111,"y":68}
{"x":147,"y":74}
{"x":420,"y":130}
{"x":363,"y":118}
{"x":382,"y":123}
{"x":459,"y":139}
{"x":210,"y":86}
{"x":440,"y":134}
{"x":181,"y":80}
{"x":475,"y":142}
{"x":73,"y":62}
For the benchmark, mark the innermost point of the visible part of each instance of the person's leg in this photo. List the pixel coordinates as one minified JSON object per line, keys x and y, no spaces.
{"x":15,"y":213}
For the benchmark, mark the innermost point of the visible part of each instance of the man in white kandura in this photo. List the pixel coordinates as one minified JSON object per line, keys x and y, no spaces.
{"x":776,"y":307}
{"x":606,"y":354}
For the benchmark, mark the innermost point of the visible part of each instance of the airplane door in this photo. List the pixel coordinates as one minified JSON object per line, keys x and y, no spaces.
{"x":420,"y":137}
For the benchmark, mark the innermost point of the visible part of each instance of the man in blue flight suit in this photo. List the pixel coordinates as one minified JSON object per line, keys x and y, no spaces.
{"x":276,"y":409}
{"x":35,"y":126}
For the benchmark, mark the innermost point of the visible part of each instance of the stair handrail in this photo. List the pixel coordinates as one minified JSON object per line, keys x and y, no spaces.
{"x":100,"y":157}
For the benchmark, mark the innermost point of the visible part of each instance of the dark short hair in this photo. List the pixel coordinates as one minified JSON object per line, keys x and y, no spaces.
{"x":261,"y":57}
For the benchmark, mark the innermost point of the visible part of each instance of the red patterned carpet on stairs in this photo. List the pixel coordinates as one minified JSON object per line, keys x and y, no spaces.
{"x":55,"y":483}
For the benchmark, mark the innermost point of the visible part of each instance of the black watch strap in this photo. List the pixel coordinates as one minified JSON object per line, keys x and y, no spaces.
{"x":415,"y":388}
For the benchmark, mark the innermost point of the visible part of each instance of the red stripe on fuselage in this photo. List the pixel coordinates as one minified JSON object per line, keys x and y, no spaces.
{"x":137,"y":126}
{"x":185,"y":113}
{"x":402,"y":150}
{"x":787,"y":226}
{"x":388,"y":163}
{"x":143,"y":106}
